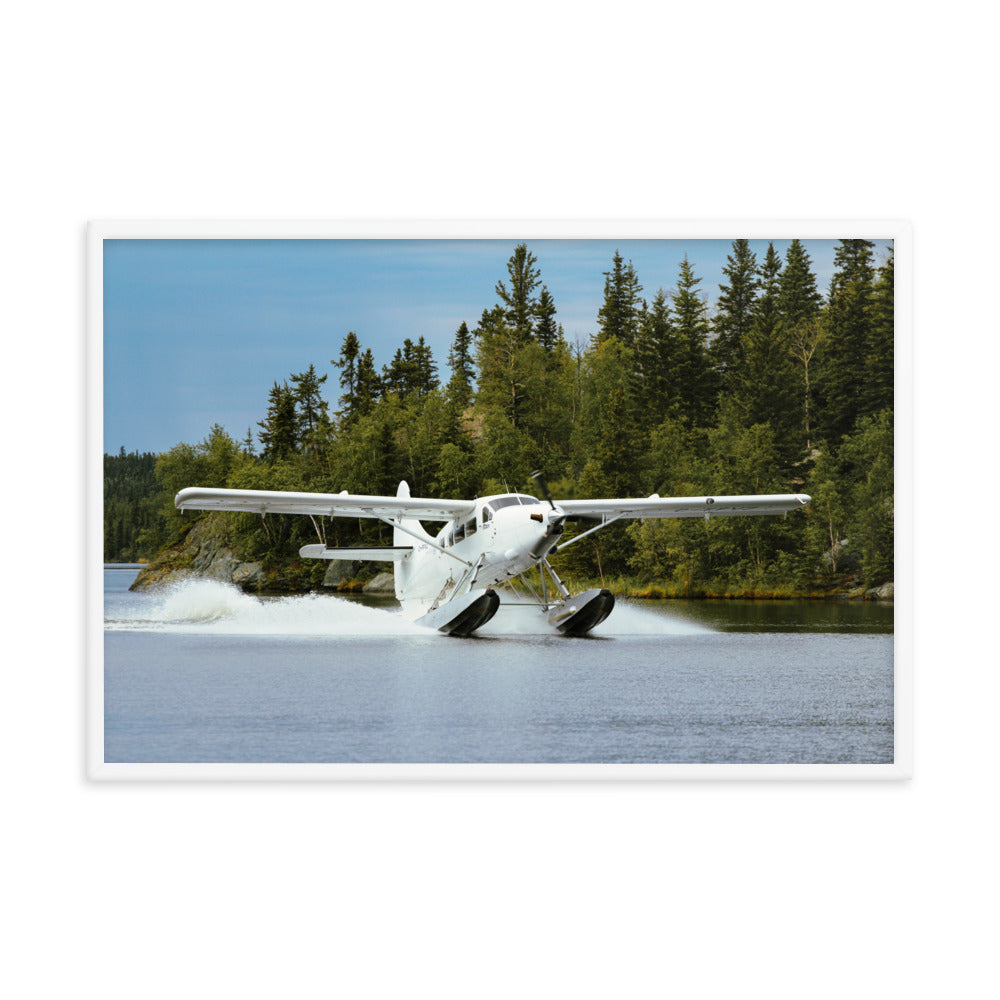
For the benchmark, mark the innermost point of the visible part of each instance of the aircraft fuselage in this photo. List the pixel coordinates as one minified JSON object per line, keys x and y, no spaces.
{"x":505,"y":536}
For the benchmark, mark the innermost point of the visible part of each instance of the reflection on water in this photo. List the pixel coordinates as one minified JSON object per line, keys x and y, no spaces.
{"x":786,"y":616}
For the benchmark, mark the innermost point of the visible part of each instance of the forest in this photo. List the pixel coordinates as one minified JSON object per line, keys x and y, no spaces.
{"x":781,"y":388}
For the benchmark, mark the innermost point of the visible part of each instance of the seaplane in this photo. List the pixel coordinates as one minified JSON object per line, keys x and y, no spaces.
{"x":453,"y":581}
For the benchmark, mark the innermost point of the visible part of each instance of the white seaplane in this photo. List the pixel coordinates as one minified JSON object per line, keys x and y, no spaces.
{"x":448,"y":581}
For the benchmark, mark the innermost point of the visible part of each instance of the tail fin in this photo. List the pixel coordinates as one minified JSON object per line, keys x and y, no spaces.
{"x":403,"y":568}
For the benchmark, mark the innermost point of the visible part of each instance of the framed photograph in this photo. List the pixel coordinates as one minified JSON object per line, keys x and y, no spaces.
{"x":499,"y":500}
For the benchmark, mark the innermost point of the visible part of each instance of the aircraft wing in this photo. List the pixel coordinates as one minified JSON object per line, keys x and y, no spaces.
{"x":323,"y":504}
{"x":656,"y":506}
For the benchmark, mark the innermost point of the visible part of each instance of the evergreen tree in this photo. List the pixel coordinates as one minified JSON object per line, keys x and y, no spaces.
{"x":659,"y":356}
{"x":311,"y":405}
{"x":764,"y":389}
{"x":462,"y":369}
{"x":619,"y":313}
{"x":413,"y":370}
{"x":279,"y":434}
{"x":609,"y":427}
{"x":498,"y":357}
{"x":398,"y":374}
{"x":547,"y":382}
{"x":878,"y":392}
{"x":798,"y":299}
{"x":765,"y":313}
{"x":735,"y":307}
{"x":546,"y":330}
{"x":842,"y":376}
{"x":800,"y":304}
{"x":519,"y":302}
{"x":348,"y":365}
{"x":368,"y":385}
{"x":424,"y":368}
{"x":693,"y":379}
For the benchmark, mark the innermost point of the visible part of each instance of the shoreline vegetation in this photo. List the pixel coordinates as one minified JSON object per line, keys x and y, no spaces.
{"x":779,"y":389}
{"x":296,"y":577}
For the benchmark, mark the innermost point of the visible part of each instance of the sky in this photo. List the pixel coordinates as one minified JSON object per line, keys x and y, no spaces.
{"x":196,"y":331}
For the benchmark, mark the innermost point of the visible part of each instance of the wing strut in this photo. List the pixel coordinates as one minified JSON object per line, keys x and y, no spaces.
{"x":590,"y":531}
{"x":319,"y":532}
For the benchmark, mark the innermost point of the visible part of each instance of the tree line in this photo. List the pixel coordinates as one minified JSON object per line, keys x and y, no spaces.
{"x":780,"y":389}
{"x":130,"y":504}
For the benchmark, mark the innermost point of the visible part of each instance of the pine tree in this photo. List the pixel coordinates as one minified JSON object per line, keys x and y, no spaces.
{"x":424,"y":368}
{"x":763,"y":388}
{"x":279,"y":435}
{"x":397,"y":375}
{"x":658,"y":357}
{"x":462,"y":370}
{"x":842,"y":377}
{"x":413,"y":371}
{"x":765,"y":312}
{"x":546,"y":330}
{"x":619,"y":313}
{"x":800,"y":303}
{"x":498,"y":359}
{"x":798,"y":299}
{"x":519,"y":302}
{"x":879,"y":367}
{"x":735,"y":307}
{"x":692,"y":377}
{"x":347,"y":363}
{"x":311,"y":405}
{"x":368,"y":385}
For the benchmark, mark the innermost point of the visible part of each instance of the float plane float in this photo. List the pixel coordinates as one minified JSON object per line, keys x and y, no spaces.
{"x":448,"y":581}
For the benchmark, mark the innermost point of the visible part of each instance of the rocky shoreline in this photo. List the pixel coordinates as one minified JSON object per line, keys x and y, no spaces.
{"x":203,"y":551}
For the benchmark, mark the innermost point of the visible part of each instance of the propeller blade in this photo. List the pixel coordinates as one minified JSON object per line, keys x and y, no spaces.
{"x":543,"y":486}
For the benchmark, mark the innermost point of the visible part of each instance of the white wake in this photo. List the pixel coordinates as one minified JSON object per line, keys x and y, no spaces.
{"x":212,"y":607}
{"x":208,"y":606}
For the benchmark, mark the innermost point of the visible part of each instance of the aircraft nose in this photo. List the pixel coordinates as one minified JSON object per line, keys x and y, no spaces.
{"x":553,"y":522}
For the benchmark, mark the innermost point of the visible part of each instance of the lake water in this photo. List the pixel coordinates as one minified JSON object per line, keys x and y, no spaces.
{"x":200,"y":672}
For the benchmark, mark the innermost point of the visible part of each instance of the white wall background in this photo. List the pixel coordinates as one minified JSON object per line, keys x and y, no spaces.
{"x":307,"y":110}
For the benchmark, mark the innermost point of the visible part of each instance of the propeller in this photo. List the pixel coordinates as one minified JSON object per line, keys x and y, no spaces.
{"x":555,"y":528}
{"x":543,"y":486}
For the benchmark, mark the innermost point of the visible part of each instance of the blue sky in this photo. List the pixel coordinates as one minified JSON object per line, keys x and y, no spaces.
{"x":197,"y":331}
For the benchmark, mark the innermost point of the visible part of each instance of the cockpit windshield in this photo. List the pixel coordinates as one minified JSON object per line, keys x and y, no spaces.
{"x":518,"y":498}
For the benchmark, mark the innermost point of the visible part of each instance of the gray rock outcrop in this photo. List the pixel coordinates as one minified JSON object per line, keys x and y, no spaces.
{"x":340,"y":571}
{"x":384,"y":583}
{"x":201,"y":552}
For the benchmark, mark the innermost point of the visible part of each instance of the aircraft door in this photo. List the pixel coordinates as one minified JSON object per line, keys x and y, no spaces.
{"x":488,"y":526}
